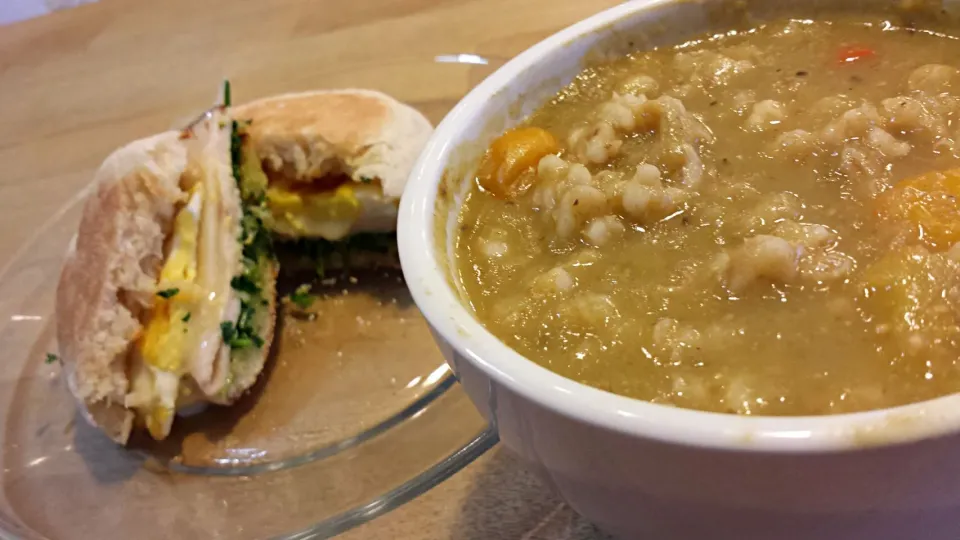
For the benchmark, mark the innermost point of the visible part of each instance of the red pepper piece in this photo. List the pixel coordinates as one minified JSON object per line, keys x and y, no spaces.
{"x":854,"y":53}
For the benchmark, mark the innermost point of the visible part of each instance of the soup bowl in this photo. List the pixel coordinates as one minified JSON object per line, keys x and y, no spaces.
{"x":642,"y":470}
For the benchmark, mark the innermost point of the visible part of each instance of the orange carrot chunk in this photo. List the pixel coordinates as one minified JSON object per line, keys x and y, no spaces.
{"x":509,"y":167}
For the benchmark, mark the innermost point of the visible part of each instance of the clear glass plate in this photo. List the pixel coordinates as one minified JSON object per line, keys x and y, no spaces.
{"x":355,"y":414}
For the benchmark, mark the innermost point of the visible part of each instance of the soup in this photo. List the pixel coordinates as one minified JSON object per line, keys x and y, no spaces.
{"x":757,"y":222}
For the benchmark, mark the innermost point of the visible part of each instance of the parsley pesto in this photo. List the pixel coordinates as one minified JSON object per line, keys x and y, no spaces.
{"x":257,"y":245}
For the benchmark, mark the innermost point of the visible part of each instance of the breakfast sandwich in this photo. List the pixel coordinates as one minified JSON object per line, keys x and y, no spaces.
{"x":167,"y":295}
{"x":334,"y":162}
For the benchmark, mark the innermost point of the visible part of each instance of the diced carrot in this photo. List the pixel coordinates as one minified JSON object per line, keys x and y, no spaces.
{"x":853,"y":53}
{"x":516,"y":152}
{"x":928,"y":205}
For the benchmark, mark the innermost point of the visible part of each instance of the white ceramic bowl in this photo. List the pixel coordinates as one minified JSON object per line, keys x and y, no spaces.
{"x":637,"y":469}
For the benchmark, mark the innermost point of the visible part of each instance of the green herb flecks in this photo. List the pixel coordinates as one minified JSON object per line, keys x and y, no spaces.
{"x":302,"y":298}
{"x":168,"y":293}
{"x":51,"y":358}
{"x":227,"y":98}
{"x":241,"y":343}
{"x":257,"y":248}
{"x":366,"y":179}
{"x":246,"y":283}
{"x":248,"y":171}
{"x":236,"y":153}
{"x":228,"y":331}
{"x":186,"y":318}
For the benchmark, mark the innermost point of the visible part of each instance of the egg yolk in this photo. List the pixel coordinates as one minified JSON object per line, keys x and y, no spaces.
{"x":162,"y":344}
{"x":299,"y":212}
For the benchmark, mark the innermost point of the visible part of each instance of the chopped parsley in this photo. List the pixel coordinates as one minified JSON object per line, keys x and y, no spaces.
{"x":228,"y":331}
{"x":168,"y":293}
{"x":245,"y":282}
{"x":255,"y":239}
{"x":51,"y":358}
{"x":366,"y":179}
{"x":239,"y":337}
{"x":186,"y":318}
{"x":302,"y":298}
{"x":227,"y":98}
{"x":257,"y":252}
{"x":236,"y":153}
{"x":241,"y":342}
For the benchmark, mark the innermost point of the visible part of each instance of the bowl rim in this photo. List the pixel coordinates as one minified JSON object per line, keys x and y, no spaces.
{"x":444,"y":310}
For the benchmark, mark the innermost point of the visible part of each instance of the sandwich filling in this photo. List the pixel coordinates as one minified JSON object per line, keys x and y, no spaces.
{"x":337,"y":222}
{"x":331,"y":207}
{"x":209,"y":303}
{"x":334,"y":160}
{"x":258,"y":262}
{"x":183,"y":230}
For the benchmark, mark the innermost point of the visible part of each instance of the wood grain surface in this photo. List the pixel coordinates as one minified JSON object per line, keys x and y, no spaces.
{"x":76,"y":84}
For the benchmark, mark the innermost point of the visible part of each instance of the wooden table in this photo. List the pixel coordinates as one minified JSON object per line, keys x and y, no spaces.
{"x":76,"y":84}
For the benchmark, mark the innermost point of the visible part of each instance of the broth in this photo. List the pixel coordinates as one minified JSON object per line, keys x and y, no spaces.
{"x":757,"y":222}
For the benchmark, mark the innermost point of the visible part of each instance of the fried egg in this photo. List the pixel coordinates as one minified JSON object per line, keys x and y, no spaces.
{"x":163,"y":344}
{"x":334,"y":214}
{"x":182,"y":334}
